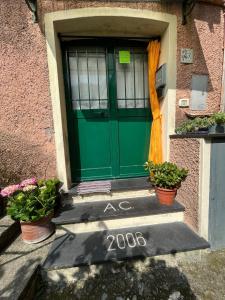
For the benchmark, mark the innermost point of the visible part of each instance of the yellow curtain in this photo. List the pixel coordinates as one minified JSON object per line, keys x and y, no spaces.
{"x":155,"y":150}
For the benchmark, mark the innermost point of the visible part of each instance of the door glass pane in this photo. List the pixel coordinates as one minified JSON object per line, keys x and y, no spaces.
{"x":132,"y":80}
{"x":88,"y":77}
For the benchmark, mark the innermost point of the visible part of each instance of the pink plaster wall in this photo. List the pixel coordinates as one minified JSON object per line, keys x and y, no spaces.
{"x":203,"y":33}
{"x":185,"y":153}
{"x":26,"y":129}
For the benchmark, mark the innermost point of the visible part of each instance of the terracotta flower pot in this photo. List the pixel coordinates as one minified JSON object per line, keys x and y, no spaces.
{"x":37,"y":231}
{"x":165,"y":196}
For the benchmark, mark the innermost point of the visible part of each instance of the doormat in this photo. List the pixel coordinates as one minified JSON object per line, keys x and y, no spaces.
{"x":90,"y":187}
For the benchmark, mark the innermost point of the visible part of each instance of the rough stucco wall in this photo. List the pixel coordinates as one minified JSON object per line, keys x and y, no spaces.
{"x":203,"y":33}
{"x":185,"y":153}
{"x":26,"y":127}
{"x":26,"y":135}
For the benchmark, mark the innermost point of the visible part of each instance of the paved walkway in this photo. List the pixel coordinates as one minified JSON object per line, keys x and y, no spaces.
{"x":196,"y":275}
{"x":193,"y":275}
{"x":17,"y":264}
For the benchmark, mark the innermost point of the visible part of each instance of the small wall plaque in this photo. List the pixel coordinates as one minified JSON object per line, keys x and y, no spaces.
{"x":186,"y":56}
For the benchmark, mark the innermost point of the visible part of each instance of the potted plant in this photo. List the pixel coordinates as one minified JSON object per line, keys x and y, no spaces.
{"x":203,"y":124}
{"x":186,"y":127}
{"x":32,"y":203}
{"x":218,"y":123}
{"x":196,"y":125}
{"x":166,"y":178}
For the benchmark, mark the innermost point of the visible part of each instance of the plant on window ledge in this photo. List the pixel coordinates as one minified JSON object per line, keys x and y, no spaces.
{"x":197,"y":125}
{"x":219,"y":123}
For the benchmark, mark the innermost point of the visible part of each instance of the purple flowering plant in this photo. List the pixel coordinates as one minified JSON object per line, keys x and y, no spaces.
{"x":11,"y":189}
{"x":31,"y":199}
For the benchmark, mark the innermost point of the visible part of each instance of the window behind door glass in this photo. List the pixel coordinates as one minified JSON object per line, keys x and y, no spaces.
{"x":88,"y":77}
{"x":132,"y":79}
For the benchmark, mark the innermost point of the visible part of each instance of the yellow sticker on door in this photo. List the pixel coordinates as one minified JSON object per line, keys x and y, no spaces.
{"x":124,"y":57}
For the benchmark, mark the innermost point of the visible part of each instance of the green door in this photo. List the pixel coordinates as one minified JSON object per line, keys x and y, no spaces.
{"x":108,"y":113}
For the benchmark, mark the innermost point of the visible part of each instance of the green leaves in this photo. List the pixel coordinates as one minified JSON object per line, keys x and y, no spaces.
{"x":219,"y":117}
{"x":199,"y":123}
{"x":195,"y":125}
{"x":31,"y":205}
{"x":166,"y":175}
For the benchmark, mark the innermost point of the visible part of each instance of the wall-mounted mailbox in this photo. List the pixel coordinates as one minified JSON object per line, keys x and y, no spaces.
{"x":161,"y":81}
{"x":161,"y":77}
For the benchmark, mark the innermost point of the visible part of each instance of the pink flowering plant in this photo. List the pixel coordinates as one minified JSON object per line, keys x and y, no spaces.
{"x":26,"y":182}
{"x":9,"y":190}
{"x":31,"y":199}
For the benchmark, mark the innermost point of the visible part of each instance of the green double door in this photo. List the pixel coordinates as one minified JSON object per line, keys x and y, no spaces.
{"x":109,"y":118}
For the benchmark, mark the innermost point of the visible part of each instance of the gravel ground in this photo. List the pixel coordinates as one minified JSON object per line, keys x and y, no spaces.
{"x":201,"y":275}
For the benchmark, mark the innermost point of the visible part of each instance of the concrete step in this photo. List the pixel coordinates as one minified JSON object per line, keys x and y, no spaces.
{"x":9,"y":230}
{"x":120,"y":223}
{"x":71,"y":250}
{"x":73,"y":198}
{"x":120,"y":213}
